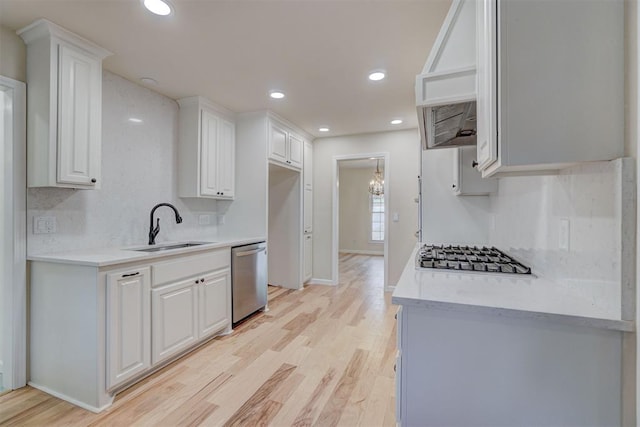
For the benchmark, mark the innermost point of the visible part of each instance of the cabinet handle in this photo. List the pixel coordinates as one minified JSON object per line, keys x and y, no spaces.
{"x":131,"y":274}
{"x":396,"y":316}
{"x":93,"y":180}
{"x":394,"y":367}
{"x":453,"y":186}
{"x":201,"y":280}
{"x":474,"y":164}
{"x":222,"y":193}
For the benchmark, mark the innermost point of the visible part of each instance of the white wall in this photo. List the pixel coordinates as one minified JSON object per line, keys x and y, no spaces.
{"x":403,"y":167}
{"x":4,"y":257}
{"x":447,"y":218}
{"x":14,"y":55}
{"x":138,"y":171}
{"x":355,"y":215}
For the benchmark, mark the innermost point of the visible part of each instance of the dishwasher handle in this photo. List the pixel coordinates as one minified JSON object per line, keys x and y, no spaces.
{"x":247,"y":253}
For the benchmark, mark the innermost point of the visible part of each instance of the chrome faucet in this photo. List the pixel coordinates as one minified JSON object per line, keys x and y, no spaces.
{"x":153,"y":232}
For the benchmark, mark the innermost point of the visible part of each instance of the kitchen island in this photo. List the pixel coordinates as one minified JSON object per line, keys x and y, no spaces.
{"x":502,"y":349}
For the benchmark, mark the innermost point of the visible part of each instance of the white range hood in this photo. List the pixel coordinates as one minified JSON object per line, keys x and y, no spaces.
{"x":446,"y":89}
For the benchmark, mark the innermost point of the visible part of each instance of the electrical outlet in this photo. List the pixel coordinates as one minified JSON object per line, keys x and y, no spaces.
{"x":563,"y":234}
{"x":44,"y":224}
{"x":204,"y":219}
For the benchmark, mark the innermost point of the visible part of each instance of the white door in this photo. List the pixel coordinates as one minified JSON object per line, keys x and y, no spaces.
{"x":174,"y":318}
{"x":308,"y":256}
{"x":307,"y":208}
{"x":78,"y":117}
{"x":486,"y":110}
{"x":278,"y":144}
{"x":307,"y":169}
{"x":128,"y":325}
{"x":13,"y":305}
{"x":209,"y":154}
{"x":214,"y":303}
{"x":226,"y":159}
{"x":296,"y":145}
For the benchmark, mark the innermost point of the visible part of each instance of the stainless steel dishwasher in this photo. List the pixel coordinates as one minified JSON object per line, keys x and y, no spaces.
{"x":248,"y":279}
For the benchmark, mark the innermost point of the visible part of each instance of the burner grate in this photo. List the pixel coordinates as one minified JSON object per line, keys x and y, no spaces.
{"x":468,"y":258}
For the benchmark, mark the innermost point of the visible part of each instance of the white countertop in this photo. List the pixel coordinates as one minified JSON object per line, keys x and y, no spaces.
{"x":590,"y":303}
{"x":111,"y":256}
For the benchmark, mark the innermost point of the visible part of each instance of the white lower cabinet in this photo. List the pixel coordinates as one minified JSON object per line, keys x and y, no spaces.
{"x":174,"y":318}
{"x":128,"y":325}
{"x":214,"y":313}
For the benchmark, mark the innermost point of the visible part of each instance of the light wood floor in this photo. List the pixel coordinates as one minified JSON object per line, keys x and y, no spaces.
{"x":320,"y":356}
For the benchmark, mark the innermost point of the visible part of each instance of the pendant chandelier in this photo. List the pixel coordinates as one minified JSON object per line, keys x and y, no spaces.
{"x":376,"y":185}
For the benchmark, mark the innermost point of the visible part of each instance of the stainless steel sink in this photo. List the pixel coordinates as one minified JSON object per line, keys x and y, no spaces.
{"x":170,"y":247}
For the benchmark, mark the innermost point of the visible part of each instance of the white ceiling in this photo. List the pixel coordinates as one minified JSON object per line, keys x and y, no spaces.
{"x":319,"y":52}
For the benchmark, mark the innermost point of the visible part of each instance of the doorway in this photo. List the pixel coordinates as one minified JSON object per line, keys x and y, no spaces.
{"x":360,"y":216}
{"x":12,"y":234}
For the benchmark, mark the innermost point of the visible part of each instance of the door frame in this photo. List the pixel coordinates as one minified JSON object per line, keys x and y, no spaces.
{"x":14,"y":310}
{"x":336,"y":209}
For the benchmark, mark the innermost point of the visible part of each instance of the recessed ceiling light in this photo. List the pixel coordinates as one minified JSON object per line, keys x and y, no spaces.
{"x":396,"y":121}
{"x":135,"y":120}
{"x":159,"y":7}
{"x":323,"y":129}
{"x":377,"y":75}
{"x":149,"y":81}
{"x":276,"y":94}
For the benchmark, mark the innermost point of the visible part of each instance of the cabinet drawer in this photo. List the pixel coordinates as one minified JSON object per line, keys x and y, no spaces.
{"x":187,"y":266}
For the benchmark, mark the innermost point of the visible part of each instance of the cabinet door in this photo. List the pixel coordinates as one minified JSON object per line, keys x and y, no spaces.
{"x":209,"y":128}
{"x":226,"y":159}
{"x":79,"y":117}
{"x":486,"y":111}
{"x":308,"y":210}
{"x":307,"y":168}
{"x":128,"y":325}
{"x":296,"y":145}
{"x":214,"y":303}
{"x":278,"y":144}
{"x":174,"y":324}
{"x":308,"y":256}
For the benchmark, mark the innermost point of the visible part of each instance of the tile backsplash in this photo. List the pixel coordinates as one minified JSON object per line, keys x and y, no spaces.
{"x":139,"y":170}
{"x":569,"y":226}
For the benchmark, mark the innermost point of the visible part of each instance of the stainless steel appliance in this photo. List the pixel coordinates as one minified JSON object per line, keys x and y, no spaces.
{"x":467,"y":258}
{"x":248,"y":279}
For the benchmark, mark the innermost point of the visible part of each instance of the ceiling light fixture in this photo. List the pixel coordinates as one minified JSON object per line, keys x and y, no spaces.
{"x":276,"y":94}
{"x":159,"y":7}
{"x":149,"y":81}
{"x":135,"y":120}
{"x":376,"y":185}
{"x":323,"y":129}
{"x":396,"y":121}
{"x":377,"y":75}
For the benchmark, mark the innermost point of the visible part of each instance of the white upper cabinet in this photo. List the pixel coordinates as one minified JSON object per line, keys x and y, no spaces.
{"x":550,"y":84}
{"x":467,"y":180}
{"x":206,"y":155}
{"x":64,"y":107}
{"x":285,"y":146}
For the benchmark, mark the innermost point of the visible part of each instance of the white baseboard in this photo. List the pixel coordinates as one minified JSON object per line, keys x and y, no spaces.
{"x":70,"y":399}
{"x":323,"y":282}
{"x":360,"y":252}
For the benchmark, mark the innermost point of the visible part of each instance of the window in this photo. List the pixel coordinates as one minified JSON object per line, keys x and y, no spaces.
{"x":377,"y":217}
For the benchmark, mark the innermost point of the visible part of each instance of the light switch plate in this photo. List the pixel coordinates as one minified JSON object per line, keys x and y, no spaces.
{"x":44,"y":224}
{"x":204,"y":219}
{"x":564,"y":234}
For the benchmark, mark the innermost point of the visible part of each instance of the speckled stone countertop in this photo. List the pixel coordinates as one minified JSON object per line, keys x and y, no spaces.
{"x":589,"y":303}
{"x":111,"y":256}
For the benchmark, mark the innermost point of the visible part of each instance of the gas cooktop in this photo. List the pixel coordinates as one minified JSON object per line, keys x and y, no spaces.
{"x":468,"y":258}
